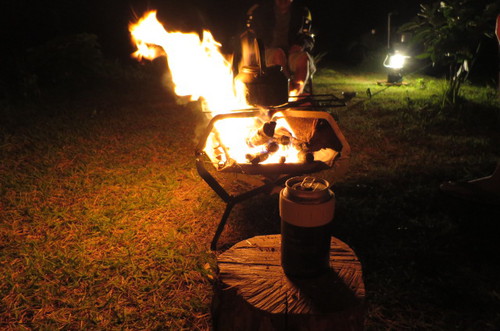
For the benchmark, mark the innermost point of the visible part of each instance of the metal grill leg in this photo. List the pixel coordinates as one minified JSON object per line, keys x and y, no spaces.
{"x":222,"y":224}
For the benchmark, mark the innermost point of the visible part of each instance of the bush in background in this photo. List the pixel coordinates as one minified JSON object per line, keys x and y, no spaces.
{"x":452,"y":33}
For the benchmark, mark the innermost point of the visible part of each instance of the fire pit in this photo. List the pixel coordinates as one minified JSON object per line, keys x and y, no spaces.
{"x":314,"y":136}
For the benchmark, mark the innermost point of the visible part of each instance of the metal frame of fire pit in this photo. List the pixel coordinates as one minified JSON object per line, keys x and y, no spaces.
{"x":276,"y":174}
{"x":315,"y":101}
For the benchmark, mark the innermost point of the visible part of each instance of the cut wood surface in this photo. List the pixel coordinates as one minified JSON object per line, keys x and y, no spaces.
{"x":253,"y":293}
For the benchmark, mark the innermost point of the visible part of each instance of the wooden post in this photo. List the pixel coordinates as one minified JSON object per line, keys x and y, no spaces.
{"x":253,"y":293}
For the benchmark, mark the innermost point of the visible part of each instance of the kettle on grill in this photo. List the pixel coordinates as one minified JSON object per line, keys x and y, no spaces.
{"x":265,"y":86}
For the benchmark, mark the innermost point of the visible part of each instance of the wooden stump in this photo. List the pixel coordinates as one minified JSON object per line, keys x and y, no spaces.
{"x":253,"y":293}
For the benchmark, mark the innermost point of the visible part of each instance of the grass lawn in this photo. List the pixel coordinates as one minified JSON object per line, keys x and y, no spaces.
{"x":105,"y":223}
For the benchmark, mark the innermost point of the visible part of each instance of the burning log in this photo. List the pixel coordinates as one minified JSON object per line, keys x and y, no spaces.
{"x":283,"y":136}
{"x":300,"y":145}
{"x":260,"y":157}
{"x":284,"y":140}
{"x":273,"y":147}
{"x":262,"y":135}
{"x":257,"y":158}
{"x":306,"y":157}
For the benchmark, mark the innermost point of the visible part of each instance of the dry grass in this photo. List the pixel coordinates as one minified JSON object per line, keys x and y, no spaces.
{"x":104,"y":222}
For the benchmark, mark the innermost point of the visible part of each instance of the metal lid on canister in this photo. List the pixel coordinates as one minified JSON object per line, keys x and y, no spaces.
{"x":307,"y":202}
{"x":307,"y":190}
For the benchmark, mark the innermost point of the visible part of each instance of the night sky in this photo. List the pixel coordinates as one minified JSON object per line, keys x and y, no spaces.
{"x":30,"y":23}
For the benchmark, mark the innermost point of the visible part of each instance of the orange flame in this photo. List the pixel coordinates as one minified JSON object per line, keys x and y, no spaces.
{"x":197,"y":66}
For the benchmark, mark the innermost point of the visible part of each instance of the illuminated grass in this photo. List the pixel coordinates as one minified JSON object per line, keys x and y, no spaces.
{"x":101,"y":226}
{"x":105,"y":223}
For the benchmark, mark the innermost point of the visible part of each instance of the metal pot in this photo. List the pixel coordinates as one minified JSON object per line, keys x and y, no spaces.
{"x":266,"y":86}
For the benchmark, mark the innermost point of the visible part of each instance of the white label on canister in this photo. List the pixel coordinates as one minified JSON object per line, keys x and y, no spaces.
{"x":306,"y":215}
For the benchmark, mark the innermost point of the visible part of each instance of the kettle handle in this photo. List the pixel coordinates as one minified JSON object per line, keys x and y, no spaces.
{"x":262,"y":55}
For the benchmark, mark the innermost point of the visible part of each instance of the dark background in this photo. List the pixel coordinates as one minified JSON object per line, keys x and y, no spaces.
{"x":30,"y":23}
{"x":340,"y":27}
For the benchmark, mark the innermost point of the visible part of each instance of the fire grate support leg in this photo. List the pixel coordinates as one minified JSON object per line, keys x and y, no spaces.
{"x":211,"y":181}
{"x":231,"y":200}
{"x":222,"y":224}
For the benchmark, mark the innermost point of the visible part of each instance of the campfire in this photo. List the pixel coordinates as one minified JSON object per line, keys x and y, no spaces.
{"x":281,"y":142}
{"x":199,"y":70}
{"x":253,"y":128}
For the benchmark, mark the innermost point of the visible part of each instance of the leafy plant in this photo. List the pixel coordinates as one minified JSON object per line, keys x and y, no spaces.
{"x":452,"y":32}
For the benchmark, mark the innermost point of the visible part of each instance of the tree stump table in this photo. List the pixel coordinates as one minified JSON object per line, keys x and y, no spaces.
{"x":253,"y":293}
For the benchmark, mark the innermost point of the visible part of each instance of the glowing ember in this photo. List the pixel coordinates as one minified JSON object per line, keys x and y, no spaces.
{"x":199,"y":70}
{"x":235,"y":140}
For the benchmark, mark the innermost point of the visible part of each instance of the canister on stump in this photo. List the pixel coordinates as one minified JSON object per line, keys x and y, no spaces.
{"x":306,"y":209}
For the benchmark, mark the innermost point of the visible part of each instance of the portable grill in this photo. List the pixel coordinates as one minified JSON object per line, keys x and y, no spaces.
{"x":317,"y":127}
